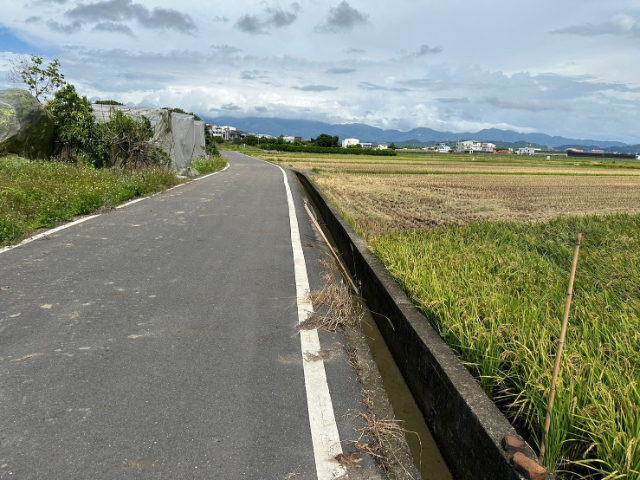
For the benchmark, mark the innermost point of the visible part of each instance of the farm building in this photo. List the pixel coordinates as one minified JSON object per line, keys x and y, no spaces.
{"x":442,"y":147}
{"x":488,"y":148}
{"x":528,"y":151}
{"x":347,"y":142}
{"x":468,"y":146}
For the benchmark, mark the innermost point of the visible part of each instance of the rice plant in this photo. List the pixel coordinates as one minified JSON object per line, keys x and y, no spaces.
{"x":495,"y":292}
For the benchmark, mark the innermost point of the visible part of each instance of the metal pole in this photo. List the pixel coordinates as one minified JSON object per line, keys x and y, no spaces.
{"x":563,"y":334}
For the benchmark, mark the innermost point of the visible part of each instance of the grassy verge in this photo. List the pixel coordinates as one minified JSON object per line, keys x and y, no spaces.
{"x":495,"y":293}
{"x":209,"y":165}
{"x":37,"y":195}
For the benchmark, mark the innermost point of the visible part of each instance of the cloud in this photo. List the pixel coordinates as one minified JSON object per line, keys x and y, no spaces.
{"x":620,"y":25}
{"x":340,"y":70}
{"x":530,"y":106}
{"x":342,"y":19}
{"x":227,"y":107}
{"x":220,"y":19}
{"x":371,"y":86}
{"x":354,"y":50}
{"x":114,"y":28}
{"x":253,"y":74}
{"x":226,"y":49}
{"x":122,"y":10}
{"x":33,"y":19}
{"x":427,"y":83}
{"x":272,"y":17}
{"x":453,"y":100}
{"x":250,"y":24}
{"x":260,"y":109}
{"x":315,"y":88}
{"x":427,"y":50}
{"x":68,"y":28}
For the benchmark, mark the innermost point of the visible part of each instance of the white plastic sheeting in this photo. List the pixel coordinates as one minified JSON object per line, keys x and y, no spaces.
{"x":177,"y":134}
{"x":199,"y":140}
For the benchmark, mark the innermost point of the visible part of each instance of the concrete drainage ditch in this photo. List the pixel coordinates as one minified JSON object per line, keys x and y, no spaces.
{"x":473,"y":436}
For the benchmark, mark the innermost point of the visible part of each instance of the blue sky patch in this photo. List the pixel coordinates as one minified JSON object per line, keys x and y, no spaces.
{"x":10,"y":42}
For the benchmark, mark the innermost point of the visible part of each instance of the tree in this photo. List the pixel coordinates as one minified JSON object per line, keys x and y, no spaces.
{"x":251,"y":140}
{"x":325,"y":140}
{"x":108,"y":102}
{"x":393,"y":146}
{"x":76,"y":124}
{"x":41,"y":82}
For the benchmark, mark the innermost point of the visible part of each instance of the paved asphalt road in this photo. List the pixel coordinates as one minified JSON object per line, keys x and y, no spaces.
{"x":159,"y":340}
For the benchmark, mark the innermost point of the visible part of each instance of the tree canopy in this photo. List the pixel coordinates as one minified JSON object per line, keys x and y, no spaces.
{"x":41,"y":82}
{"x":325,"y":140}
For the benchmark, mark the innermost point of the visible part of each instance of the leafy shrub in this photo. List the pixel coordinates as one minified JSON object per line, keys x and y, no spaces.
{"x":209,"y":165}
{"x":120,"y":142}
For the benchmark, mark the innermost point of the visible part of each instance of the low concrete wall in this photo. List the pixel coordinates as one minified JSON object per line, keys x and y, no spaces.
{"x":465,"y":423}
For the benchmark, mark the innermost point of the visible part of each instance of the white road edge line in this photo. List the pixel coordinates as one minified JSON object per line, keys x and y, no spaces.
{"x":76,"y":222}
{"x":324,"y":430}
{"x":47,"y":233}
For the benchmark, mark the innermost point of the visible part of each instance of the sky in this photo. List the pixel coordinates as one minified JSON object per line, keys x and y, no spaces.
{"x":562,"y":67}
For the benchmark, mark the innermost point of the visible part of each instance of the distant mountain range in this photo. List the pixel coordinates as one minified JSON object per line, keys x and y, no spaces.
{"x":366,"y":133}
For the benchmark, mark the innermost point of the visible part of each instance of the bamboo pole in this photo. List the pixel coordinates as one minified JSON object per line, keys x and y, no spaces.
{"x":356,"y":290}
{"x":563,"y":334}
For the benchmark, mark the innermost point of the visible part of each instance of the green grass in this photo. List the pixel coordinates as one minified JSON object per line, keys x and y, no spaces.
{"x":209,"y":165}
{"x":495,"y":292}
{"x":37,"y":195}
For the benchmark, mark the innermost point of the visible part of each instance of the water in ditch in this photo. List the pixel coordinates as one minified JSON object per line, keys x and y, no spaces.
{"x":423,"y":448}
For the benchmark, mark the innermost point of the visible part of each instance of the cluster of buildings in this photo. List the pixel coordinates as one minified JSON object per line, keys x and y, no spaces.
{"x":471,"y":146}
{"x":354,"y":142}
{"x":466,"y":146}
{"x":229,"y":134}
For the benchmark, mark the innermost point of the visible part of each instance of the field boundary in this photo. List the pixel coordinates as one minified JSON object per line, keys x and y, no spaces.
{"x":465,"y":423}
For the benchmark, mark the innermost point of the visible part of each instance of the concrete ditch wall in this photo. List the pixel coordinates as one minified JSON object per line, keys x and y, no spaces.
{"x":465,"y":423}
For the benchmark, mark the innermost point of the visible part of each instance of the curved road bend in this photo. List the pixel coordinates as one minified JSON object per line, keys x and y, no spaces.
{"x":159,"y":341}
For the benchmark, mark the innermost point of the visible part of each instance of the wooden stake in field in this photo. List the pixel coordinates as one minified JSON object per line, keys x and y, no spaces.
{"x":563,"y":334}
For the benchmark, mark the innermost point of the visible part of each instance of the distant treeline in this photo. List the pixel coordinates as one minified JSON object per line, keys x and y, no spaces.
{"x":334,"y":150}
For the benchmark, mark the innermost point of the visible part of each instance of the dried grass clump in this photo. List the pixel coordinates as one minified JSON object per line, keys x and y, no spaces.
{"x":384,"y":437}
{"x":338,"y":310}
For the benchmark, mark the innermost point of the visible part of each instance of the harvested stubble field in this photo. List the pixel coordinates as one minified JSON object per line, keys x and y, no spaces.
{"x":486,"y":258}
{"x":385,"y":166}
{"x":383,"y":204}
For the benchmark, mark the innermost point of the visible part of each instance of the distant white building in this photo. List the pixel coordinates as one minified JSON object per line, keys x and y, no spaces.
{"x":368,"y":146}
{"x":290,"y":139}
{"x":468,"y":146}
{"x":528,"y":151}
{"x":226,"y":132}
{"x":488,"y":148}
{"x":382,"y":146}
{"x":442,"y":147}
{"x":347,"y":142}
